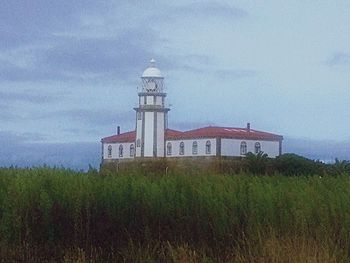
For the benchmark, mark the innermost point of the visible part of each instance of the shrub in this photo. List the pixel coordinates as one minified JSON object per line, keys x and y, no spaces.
{"x":339,"y":167}
{"x":256,"y":163}
{"x":292,"y":164}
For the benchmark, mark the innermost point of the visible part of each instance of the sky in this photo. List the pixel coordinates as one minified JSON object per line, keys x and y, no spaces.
{"x":69,"y":71}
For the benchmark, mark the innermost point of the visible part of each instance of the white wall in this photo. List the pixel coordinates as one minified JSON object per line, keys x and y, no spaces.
{"x":159,"y":101}
{"x":115,"y":150}
{"x":232,"y":147}
{"x":150,"y":100}
{"x":229,"y":147}
{"x":148,"y":140}
{"x":148,"y":122}
{"x":142,"y":100}
{"x":160,"y":134}
{"x":188,"y":147}
{"x":138,"y":134}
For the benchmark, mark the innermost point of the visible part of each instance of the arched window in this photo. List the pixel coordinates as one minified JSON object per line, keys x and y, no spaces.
{"x":132,"y":150}
{"x":121,"y":150}
{"x":138,"y":143}
{"x":168,"y":148}
{"x":109,"y":151}
{"x":243,"y":148}
{"x":208,"y":147}
{"x":194,"y":148}
{"x":182,"y":148}
{"x":257,"y":147}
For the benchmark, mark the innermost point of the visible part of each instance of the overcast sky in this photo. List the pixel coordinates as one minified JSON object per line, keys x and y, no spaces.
{"x":69,"y":70}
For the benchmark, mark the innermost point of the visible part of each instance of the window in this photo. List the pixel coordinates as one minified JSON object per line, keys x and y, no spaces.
{"x":109,"y":151}
{"x":257,"y":147}
{"x":182,"y":148}
{"x":194,"y":148}
{"x":208,"y":147}
{"x":243,"y":148}
{"x":168,"y":148}
{"x":139,"y":115}
{"x":120,"y":150}
{"x":132,"y":150}
{"x":138,"y":143}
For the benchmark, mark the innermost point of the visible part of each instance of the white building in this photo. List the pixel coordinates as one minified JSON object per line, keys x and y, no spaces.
{"x":152,"y":138}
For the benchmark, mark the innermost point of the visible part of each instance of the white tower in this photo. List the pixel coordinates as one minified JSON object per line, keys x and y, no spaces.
{"x":151,"y":114}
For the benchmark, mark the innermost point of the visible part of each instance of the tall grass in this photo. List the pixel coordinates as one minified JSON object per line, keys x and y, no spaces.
{"x":63,"y":213}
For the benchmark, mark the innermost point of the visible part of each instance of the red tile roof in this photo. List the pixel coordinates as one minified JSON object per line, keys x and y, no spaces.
{"x":226,"y":132}
{"x":131,"y":136}
{"x":123,"y":137}
{"x":206,"y":132}
{"x":171,"y":133}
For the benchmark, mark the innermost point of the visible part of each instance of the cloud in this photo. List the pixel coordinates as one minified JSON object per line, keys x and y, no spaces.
{"x":208,"y":9}
{"x":203,"y":64}
{"x":9,"y":138}
{"x":6,"y":114}
{"x":77,"y":58}
{"x":28,"y":149}
{"x":7,"y":98}
{"x":222,"y":74}
{"x":24,"y":22}
{"x":92,"y":118}
{"x":61,"y":40}
{"x":119,"y":55}
{"x":325,"y":150}
{"x":70,"y":155}
{"x":99,"y":118}
{"x":235,"y":73}
{"x":339,"y":59}
{"x":12,"y":103}
{"x":20,"y":73}
{"x":188,"y":125}
{"x":191,"y":14}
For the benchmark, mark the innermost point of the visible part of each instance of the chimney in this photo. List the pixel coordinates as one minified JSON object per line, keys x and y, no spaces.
{"x":248,"y":126}
{"x":118,"y":130}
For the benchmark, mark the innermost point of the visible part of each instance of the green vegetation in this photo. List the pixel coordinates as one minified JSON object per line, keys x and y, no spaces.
{"x":63,"y":215}
{"x":256,"y":163}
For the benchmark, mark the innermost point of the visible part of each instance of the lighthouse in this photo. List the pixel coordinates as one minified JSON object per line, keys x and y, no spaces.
{"x":152,"y":138}
{"x":151,"y":114}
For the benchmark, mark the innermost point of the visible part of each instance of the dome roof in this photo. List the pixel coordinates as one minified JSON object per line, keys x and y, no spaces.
{"x":152,"y":71}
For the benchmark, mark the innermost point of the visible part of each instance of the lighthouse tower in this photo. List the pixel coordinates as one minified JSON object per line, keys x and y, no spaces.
{"x":151,"y":114}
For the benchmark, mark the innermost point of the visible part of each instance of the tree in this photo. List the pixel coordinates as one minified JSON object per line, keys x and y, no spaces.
{"x":293,"y":164}
{"x":256,"y":163}
{"x":340,"y":167}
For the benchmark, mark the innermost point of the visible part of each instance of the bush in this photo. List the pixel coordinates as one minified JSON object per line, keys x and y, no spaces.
{"x":292,"y":164}
{"x":339,"y":168}
{"x":256,"y":163}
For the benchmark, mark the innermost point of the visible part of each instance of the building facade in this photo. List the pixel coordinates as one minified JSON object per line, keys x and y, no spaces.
{"x":153,"y":139}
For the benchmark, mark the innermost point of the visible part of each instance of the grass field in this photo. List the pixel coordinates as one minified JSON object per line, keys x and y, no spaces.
{"x":63,"y":215}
